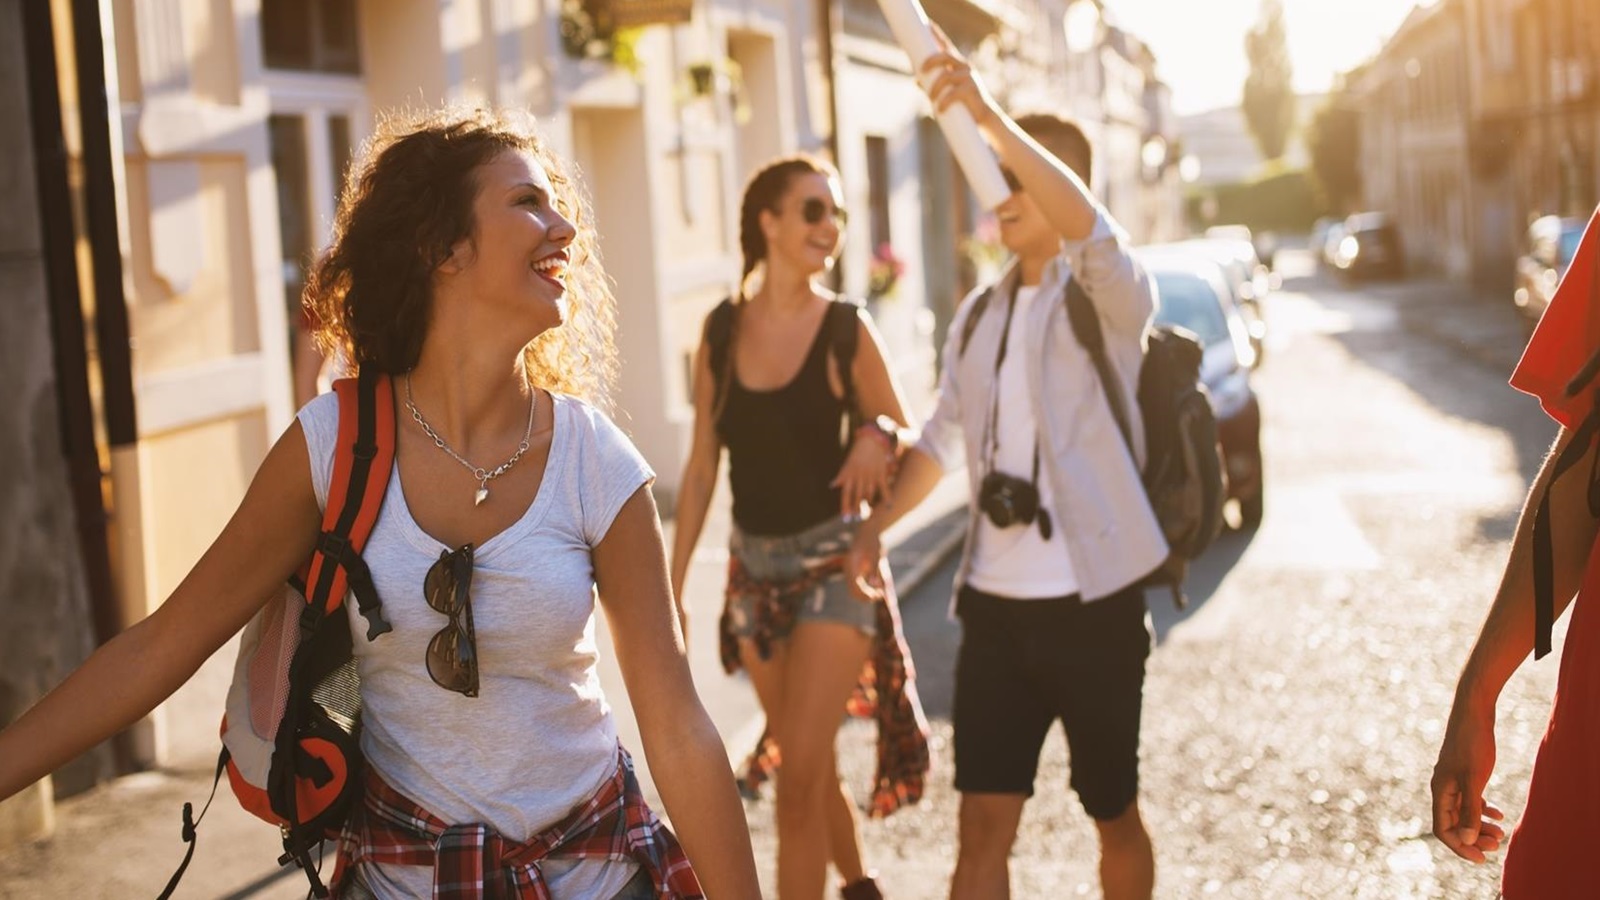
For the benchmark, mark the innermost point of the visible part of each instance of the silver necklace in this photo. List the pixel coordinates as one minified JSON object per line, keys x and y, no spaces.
{"x":483,"y":475}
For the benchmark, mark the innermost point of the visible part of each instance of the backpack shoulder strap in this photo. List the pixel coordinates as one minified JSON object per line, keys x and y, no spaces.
{"x":1583,"y":436}
{"x":718,"y":338}
{"x":1086,"y":328}
{"x":844,"y":334}
{"x":1544,"y":605}
{"x":362,"y":459}
{"x":980,"y":305}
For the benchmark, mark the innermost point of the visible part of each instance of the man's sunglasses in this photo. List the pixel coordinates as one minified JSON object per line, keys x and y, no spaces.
{"x":453,"y":652}
{"x":814,"y":210}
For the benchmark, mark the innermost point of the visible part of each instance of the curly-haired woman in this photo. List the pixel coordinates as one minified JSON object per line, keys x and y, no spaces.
{"x":463,"y":266}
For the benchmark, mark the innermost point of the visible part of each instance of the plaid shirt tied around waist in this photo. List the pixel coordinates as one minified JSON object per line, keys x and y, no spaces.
{"x":472,"y":862}
{"x":886,"y":690}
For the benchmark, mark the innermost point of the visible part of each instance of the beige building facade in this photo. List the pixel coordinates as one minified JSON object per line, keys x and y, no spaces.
{"x":227,"y":128}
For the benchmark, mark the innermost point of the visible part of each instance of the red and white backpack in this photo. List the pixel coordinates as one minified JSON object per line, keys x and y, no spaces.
{"x":292,"y":728}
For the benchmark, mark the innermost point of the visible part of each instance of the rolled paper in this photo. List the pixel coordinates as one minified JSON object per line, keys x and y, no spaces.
{"x":910,"y":26}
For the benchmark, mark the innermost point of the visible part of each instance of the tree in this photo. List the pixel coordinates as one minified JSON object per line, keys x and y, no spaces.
{"x":1268,"y":89}
{"x":1333,"y":139}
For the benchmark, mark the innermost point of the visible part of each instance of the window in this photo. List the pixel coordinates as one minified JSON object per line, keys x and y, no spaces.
{"x":287,"y":135}
{"x":878,"y":190}
{"x":319,"y":114}
{"x":310,"y":36}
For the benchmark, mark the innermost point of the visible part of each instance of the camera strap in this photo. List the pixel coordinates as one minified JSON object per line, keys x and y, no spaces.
{"x":992,"y":426}
{"x":991,"y":438}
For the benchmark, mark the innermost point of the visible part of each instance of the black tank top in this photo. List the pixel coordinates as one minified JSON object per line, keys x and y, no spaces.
{"x":784,"y":447}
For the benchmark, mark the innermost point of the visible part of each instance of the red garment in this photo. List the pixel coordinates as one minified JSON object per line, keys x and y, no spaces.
{"x":1551,"y":855}
{"x":886,"y":690}
{"x":471,"y":862}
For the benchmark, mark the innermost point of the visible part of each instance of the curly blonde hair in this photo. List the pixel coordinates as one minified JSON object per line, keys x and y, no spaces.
{"x":407,"y":202}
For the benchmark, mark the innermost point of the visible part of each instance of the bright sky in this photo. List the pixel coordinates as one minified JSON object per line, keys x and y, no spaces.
{"x":1199,"y":44}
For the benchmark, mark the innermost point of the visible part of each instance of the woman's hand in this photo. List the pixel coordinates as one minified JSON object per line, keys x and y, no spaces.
{"x":866,"y":474}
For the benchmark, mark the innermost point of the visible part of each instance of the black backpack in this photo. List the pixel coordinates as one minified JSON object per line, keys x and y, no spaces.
{"x":1183,"y":475}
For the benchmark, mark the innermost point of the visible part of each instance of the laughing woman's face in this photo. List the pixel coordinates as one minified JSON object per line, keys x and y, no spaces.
{"x":805,"y":228}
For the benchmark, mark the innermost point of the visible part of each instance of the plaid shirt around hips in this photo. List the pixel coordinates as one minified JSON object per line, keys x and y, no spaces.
{"x":472,"y":862}
{"x":886,"y":689}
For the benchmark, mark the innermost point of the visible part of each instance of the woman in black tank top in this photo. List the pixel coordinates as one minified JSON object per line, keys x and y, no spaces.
{"x":783,"y":376}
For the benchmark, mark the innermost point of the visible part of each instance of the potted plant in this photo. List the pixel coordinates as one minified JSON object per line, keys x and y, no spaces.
{"x":884,"y":273}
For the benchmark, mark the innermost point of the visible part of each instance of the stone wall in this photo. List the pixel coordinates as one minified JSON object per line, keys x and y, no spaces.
{"x":45,"y":625}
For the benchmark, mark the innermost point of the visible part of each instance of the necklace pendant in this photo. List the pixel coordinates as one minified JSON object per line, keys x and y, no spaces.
{"x":481,"y":495}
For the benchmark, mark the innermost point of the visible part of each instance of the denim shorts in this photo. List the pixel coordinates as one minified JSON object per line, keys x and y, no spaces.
{"x":788,"y":556}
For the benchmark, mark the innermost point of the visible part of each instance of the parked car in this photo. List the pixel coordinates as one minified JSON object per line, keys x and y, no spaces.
{"x":1265,"y":243}
{"x":1193,"y":294}
{"x":1247,"y":278}
{"x":1328,"y":250}
{"x":1319,"y":237}
{"x":1550,"y":245}
{"x":1370,"y":248}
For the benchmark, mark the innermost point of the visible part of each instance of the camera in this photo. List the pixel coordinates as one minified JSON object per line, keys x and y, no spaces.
{"x":1008,"y":500}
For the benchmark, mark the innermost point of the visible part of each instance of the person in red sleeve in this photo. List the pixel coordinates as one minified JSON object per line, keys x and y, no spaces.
{"x":1547,"y":855}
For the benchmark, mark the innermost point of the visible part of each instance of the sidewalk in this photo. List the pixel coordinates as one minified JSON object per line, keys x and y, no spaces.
{"x":122,"y":839}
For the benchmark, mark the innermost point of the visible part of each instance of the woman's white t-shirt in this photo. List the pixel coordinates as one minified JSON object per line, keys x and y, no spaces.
{"x":1017,"y":562}
{"x":539,"y":738}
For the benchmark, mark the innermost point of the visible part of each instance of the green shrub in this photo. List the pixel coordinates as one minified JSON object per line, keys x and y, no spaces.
{"x":1283,"y":200}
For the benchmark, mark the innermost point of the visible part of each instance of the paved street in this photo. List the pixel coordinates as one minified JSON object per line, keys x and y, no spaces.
{"x":1292,"y":712}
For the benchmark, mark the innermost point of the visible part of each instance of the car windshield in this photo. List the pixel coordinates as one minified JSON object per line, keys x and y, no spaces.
{"x":1189,"y":301}
{"x":1570,"y":238}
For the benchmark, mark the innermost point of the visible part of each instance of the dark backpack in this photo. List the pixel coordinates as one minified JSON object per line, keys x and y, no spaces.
{"x":1183,"y":475}
{"x":292,"y":730}
{"x":843,"y":334}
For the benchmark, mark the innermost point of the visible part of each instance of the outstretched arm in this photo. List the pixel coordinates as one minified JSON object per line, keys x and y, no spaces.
{"x":1466,"y":757}
{"x":685,"y":752}
{"x":270,"y":535}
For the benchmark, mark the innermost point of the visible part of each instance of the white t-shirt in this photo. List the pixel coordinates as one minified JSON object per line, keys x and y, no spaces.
{"x":1017,"y":562}
{"x":539,"y":738}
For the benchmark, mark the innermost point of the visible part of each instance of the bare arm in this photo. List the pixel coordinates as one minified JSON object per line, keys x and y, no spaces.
{"x":1100,"y":260}
{"x":684,"y":750}
{"x":699,"y":481}
{"x":864,"y":476}
{"x":1063,"y":199}
{"x":270,"y":535}
{"x":1466,"y":757}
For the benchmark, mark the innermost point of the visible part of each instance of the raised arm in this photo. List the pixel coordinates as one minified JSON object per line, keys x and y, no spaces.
{"x":683,"y":748}
{"x":1466,"y":756}
{"x":270,"y":535}
{"x":699,"y":480}
{"x":1095,"y":244}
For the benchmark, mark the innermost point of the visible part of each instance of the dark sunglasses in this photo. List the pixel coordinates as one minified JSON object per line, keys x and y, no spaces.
{"x":814,"y":210}
{"x":1011,"y":180}
{"x":453,"y":652}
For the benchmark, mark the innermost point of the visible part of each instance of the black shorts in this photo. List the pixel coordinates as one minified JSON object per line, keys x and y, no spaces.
{"x":1023,"y":664}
